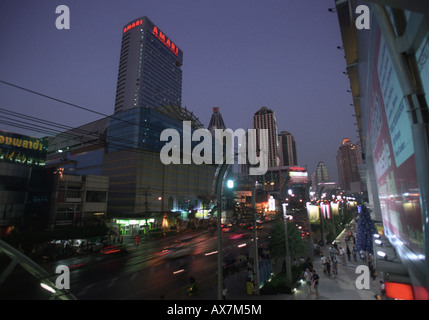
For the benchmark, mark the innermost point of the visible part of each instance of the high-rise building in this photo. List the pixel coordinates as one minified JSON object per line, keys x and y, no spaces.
{"x":216,"y":121}
{"x":148,"y":101}
{"x":266,"y":119}
{"x":348,"y":158}
{"x":150,"y":73}
{"x":322,"y":174}
{"x":287,"y":149}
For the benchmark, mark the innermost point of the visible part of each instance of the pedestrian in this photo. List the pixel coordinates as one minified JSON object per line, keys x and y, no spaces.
{"x":308,"y":279}
{"x":323,"y":260}
{"x":332,"y":252}
{"x":137,"y":240}
{"x":348,"y":253}
{"x":362,"y":255}
{"x":343,"y":256}
{"x":335,"y":266}
{"x":382,"y":291}
{"x":316,"y":283}
{"x":328,"y":266}
{"x":354,"y":253}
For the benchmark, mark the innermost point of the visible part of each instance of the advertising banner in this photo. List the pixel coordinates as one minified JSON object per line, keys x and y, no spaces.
{"x":390,"y":137}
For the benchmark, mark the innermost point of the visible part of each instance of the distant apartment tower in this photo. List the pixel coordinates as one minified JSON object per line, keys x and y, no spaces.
{"x":266,"y":119}
{"x":150,"y":73}
{"x":287,"y":149}
{"x":348,"y":158}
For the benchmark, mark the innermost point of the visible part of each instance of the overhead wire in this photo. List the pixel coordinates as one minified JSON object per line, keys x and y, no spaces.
{"x":48,"y":127}
{"x":75,"y":133}
{"x":113,"y":141}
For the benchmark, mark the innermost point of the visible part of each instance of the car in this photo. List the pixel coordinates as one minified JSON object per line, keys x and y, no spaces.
{"x":175,"y":251}
{"x":113,"y":249}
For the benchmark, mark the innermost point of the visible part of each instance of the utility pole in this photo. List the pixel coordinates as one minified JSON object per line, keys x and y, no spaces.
{"x":220,"y":175}
{"x":322,"y":224}
{"x":255,"y":239}
{"x":146,"y":193}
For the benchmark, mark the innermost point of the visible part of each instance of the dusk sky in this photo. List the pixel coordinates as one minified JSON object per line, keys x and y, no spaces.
{"x":239,"y":55}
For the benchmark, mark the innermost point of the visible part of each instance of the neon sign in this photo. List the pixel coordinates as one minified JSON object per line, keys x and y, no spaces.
{"x":22,"y":149}
{"x":161,"y":37}
{"x":132,"y":25}
{"x":157,"y":33}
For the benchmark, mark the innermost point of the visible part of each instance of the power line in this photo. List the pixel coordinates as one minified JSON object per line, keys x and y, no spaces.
{"x":48,"y":127}
{"x":67,"y":103}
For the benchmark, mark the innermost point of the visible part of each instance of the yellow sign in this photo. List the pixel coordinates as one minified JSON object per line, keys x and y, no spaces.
{"x":22,"y":149}
{"x":21,"y":143}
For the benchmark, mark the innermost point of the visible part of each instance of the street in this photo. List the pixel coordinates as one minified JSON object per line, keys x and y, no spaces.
{"x":143,"y":272}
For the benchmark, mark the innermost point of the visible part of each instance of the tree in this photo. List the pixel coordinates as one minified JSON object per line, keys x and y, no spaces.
{"x":365,"y":230}
{"x":277,"y":246}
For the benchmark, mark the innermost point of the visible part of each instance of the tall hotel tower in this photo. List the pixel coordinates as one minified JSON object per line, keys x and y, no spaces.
{"x":150,"y":73}
{"x":266,"y":119}
{"x":148,"y":101}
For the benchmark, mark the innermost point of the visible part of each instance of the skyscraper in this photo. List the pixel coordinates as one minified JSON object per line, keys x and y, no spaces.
{"x":322,"y":174}
{"x":148,"y":101}
{"x":150,"y":73}
{"x":216,"y":121}
{"x":287,"y":149}
{"x":348,"y":158}
{"x":266,"y":119}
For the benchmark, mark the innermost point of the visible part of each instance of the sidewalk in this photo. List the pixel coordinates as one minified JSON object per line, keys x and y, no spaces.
{"x":341,"y":287}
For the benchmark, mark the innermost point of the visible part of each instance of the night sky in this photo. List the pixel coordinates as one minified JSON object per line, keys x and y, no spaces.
{"x":239,"y":55}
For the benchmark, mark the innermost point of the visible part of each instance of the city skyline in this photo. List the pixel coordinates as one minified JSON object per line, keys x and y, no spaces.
{"x":280,"y":55}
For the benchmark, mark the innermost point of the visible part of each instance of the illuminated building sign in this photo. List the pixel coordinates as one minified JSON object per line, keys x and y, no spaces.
{"x":161,"y":37}
{"x":156,"y":32}
{"x":298,"y":175}
{"x":132,"y":25}
{"x":22,"y":149}
{"x":297,"y":169}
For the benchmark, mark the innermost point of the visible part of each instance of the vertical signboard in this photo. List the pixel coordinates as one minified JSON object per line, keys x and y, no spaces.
{"x":390,"y":137}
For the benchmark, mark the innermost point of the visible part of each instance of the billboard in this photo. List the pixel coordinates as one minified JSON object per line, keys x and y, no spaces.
{"x":22,"y":149}
{"x":390,"y":139}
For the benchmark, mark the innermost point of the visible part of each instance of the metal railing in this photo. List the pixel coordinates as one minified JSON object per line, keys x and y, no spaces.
{"x":34,"y":270}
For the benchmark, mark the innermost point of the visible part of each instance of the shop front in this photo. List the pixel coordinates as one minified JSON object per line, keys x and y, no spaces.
{"x":133,"y":227}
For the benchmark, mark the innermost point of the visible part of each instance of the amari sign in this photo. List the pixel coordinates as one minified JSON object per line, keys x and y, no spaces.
{"x":22,"y":149}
